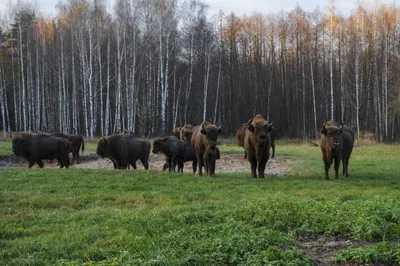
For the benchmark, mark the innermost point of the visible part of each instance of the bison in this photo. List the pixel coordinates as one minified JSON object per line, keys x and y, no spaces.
{"x":173,"y":149}
{"x":124,"y":150}
{"x":76,"y":140}
{"x":177,"y":132}
{"x":257,"y":144}
{"x":336,"y":144}
{"x":204,"y":141}
{"x":241,"y":132}
{"x":186,"y":132}
{"x":35,"y":148}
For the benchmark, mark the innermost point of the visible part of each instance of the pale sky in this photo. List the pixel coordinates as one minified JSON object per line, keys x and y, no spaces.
{"x":239,"y":7}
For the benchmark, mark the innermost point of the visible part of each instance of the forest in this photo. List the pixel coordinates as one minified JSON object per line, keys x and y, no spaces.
{"x":150,"y":66}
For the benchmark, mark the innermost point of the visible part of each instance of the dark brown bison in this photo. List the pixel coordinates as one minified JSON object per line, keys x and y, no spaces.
{"x":241,"y":132}
{"x":257,"y":144}
{"x":138,"y":149}
{"x":76,"y":140}
{"x":173,"y":149}
{"x":124,"y":150}
{"x":35,"y":148}
{"x":336,"y":145}
{"x":204,"y":140}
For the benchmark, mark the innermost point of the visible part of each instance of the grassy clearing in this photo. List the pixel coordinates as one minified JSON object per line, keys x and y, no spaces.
{"x":95,"y":216}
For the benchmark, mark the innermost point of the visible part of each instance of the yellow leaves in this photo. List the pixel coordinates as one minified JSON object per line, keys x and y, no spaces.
{"x":45,"y":30}
{"x":80,"y":8}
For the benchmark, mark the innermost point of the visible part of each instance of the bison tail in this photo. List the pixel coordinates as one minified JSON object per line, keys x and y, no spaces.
{"x":83,"y":145}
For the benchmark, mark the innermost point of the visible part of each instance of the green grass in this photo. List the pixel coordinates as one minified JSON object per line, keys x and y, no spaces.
{"x":97,"y":217}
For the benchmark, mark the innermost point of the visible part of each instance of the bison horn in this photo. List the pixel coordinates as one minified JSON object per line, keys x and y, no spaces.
{"x":249,"y":122}
{"x":271,"y":124}
{"x":341,"y":125}
{"x":183,"y":127}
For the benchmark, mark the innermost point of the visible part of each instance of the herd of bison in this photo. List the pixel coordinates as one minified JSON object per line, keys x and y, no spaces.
{"x":197,"y":144}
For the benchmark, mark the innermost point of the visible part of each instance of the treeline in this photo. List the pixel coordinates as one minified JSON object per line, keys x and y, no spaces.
{"x":149,"y":66}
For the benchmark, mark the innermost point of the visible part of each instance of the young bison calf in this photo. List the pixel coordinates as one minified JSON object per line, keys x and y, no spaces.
{"x":173,"y":149}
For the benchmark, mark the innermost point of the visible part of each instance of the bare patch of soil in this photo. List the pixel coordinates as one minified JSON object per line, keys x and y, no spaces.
{"x":322,"y":249}
{"x":228,"y":163}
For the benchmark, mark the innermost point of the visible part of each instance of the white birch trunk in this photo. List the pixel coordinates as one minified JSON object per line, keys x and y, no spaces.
{"x":107,"y":116}
{"x":189,"y":87}
{"x":207,"y":62}
{"x":24,"y":125}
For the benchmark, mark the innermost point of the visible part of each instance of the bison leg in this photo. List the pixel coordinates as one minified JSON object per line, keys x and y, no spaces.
{"x":337,"y":165}
{"x":173,"y":160}
{"x":40,"y":163}
{"x":200,"y":163}
{"x":326,"y":164}
{"x":181,"y":165}
{"x":77,"y":157}
{"x":245,"y":155}
{"x":273,"y":150}
{"x":345,"y":163}
{"x":165,"y":166}
{"x":194,"y":166}
{"x":261,"y":169}
{"x":145,"y":162}
{"x":253,"y":164}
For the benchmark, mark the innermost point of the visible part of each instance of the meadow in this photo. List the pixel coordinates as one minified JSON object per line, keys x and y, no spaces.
{"x":114,"y":217}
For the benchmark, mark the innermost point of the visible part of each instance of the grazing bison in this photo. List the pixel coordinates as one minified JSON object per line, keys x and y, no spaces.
{"x":256,"y":144}
{"x":336,"y":144}
{"x":124,"y":150}
{"x":76,"y":143}
{"x":35,"y":148}
{"x":241,"y":132}
{"x":204,"y":141}
{"x":173,"y":149}
{"x":190,"y":156}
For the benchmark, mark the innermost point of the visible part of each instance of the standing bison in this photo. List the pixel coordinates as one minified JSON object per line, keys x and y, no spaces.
{"x":204,"y":140}
{"x":76,"y":143}
{"x":336,"y":144}
{"x":241,"y":132}
{"x":256,"y":144}
{"x":35,"y":148}
{"x":173,"y":149}
{"x":124,"y":150}
{"x":186,"y":133}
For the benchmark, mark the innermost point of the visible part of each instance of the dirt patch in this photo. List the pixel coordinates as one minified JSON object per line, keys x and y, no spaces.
{"x":323,"y":249}
{"x":228,"y":163}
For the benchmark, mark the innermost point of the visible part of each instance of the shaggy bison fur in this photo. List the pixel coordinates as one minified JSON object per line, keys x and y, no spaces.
{"x":35,"y":148}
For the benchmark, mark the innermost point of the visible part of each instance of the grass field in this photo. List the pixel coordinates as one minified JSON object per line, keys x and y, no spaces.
{"x":101,"y":217}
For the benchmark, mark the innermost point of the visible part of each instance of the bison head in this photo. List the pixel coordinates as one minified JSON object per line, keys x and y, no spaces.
{"x":332,"y":135}
{"x":186,"y":133}
{"x":102,"y":145}
{"x":260,"y":128}
{"x":158,"y":145}
{"x":177,"y":132}
{"x":18,"y":143}
{"x":211,"y":132}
